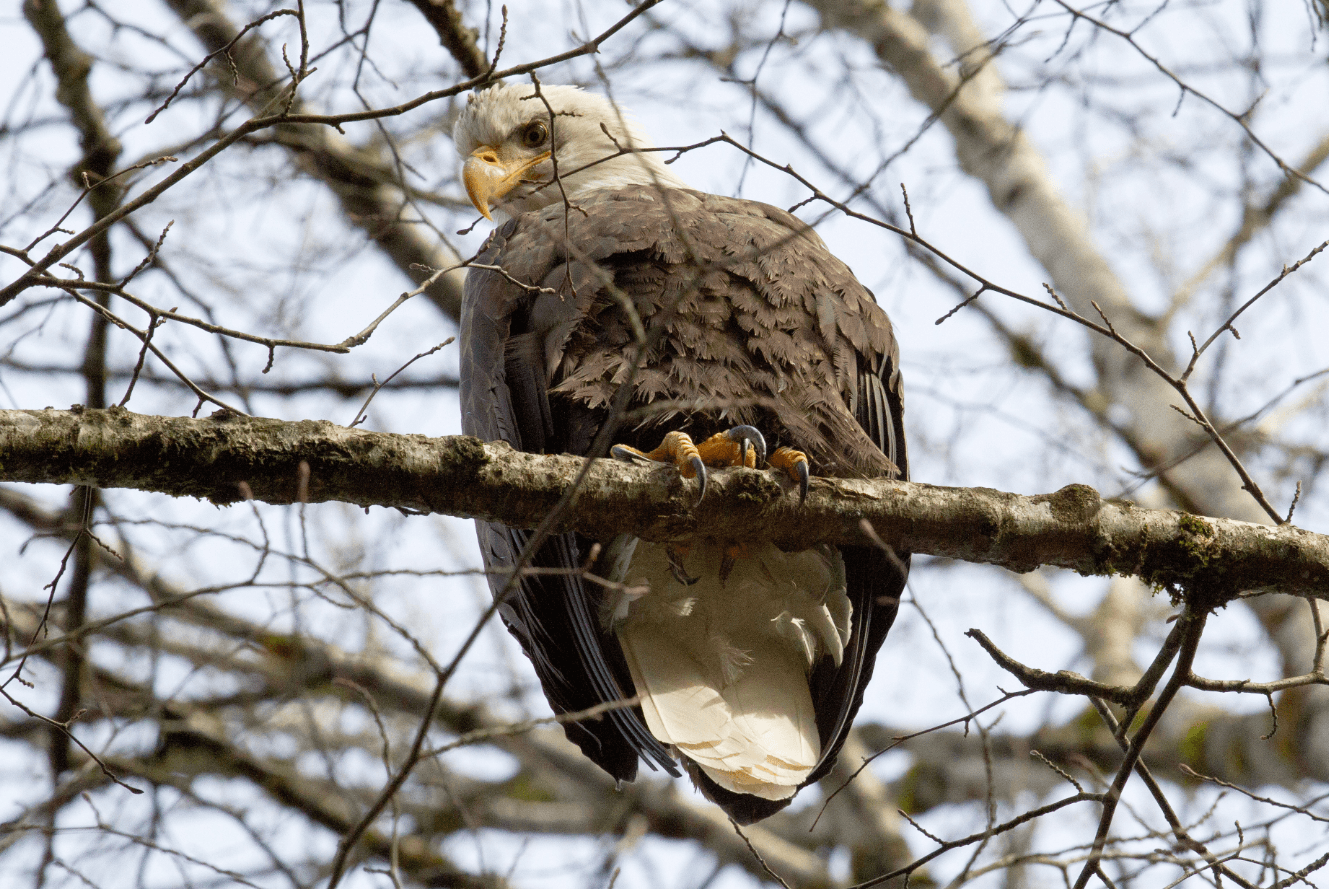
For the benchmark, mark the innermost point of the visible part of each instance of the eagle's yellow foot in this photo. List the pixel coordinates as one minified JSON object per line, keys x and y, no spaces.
{"x":676,"y":448}
{"x":795,"y":463}
{"x":739,"y":446}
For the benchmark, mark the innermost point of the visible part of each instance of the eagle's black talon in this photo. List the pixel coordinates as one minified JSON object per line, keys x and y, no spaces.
{"x":745,"y":436}
{"x":802,"y":469}
{"x":625,"y":453}
{"x":700,"y":468}
{"x":676,"y":568}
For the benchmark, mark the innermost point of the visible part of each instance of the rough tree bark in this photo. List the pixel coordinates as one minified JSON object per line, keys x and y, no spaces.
{"x":227,"y":458}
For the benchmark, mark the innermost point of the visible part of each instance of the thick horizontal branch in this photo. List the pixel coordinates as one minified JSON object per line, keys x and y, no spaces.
{"x":226,"y":458}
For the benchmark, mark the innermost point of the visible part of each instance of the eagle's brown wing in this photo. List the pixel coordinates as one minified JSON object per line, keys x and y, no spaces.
{"x":748,"y":319}
{"x":504,"y":397}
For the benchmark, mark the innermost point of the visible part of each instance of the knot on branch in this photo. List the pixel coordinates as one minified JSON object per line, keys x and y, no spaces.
{"x":1074,"y":504}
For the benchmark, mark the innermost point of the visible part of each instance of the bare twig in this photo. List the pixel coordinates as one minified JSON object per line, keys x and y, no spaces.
{"x":360,"y":414}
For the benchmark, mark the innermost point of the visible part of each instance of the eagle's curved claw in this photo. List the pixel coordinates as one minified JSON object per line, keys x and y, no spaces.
{"x":699,"y":468}
{"x":628,"y":455}
{"x":748,"y":436}
{"x":795,"y":465}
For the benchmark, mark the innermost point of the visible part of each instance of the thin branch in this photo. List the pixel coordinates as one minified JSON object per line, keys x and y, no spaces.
{"x":1227,"y":325}
{"x":1187,"y":88}
{"x":263,"y":121}
{"x":1193,"y":623}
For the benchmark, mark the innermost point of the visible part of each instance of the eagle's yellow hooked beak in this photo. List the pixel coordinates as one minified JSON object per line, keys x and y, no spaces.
{"x":488,"y":177}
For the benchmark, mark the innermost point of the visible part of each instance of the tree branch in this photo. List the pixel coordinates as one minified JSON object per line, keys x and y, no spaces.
{"x":225,"y":459}
{"x":459,"y":40}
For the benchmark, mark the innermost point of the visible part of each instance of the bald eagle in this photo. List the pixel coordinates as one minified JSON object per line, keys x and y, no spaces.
{"x":616,"y":309}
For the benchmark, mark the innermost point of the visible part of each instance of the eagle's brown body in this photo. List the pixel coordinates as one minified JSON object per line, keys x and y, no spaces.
{"x":748,"y":319}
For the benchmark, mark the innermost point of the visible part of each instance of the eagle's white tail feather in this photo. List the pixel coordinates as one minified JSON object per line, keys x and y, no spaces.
{"x":724,"y":680}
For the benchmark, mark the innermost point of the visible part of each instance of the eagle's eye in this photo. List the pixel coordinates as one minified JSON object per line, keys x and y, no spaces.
{"x":533,"y":135}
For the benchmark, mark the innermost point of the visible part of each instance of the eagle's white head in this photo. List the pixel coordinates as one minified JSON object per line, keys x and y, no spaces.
{"x":511,"y":139}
